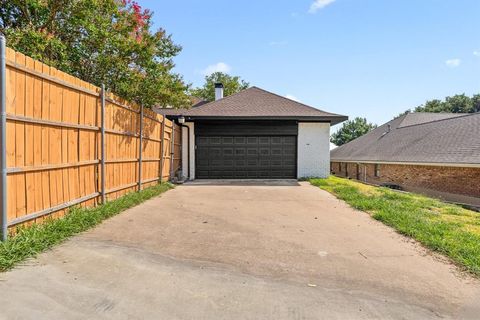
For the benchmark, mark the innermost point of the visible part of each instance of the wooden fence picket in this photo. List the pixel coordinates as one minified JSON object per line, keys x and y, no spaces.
{"x":53,"y":144}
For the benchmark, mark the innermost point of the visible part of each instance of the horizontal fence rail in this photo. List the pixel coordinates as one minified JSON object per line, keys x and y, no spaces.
{"x":69,"y":143}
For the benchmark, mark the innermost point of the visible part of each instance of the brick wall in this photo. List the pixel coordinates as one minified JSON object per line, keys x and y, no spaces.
{"x":438,"y":180}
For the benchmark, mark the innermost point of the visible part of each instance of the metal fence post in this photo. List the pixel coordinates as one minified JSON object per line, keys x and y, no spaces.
{"x":140,"y":150}
{"x":3,"y":140}
{"x":102,"y":141}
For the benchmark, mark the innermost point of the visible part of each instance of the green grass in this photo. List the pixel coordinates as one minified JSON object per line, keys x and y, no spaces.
{"x":444,"y":228}
{"x":31,"y":240}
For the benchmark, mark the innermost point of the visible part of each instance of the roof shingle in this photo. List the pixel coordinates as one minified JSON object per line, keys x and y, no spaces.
{"x":258,"y":103}
{"x":418,"y":138}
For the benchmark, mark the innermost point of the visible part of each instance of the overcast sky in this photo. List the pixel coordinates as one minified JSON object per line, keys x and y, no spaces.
{"x":369,"y":58}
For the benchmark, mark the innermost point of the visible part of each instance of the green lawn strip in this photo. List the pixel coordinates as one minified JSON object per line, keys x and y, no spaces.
{"x":442,"y":227}
{"x":31,"y":240}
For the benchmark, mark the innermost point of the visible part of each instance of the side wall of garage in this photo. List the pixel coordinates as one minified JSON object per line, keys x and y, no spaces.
{"x":313,"y":149}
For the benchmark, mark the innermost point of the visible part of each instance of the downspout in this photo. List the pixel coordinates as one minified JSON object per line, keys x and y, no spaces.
{"x":181,"y":121}
{"x":188,"y":150}
{"x":3,"y":140}
{"x":172,"y":154}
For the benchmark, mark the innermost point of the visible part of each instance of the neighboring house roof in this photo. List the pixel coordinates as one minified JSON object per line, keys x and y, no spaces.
{"x":196,"y":102}
{"x":423,"y":117}
{"x":256,"y":103}
{"x":444,"y":138}
{"x":170,"y":111}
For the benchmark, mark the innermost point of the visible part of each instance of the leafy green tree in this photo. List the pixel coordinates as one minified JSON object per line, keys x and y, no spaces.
{"x":99,"y":41}
{"x":351,"y":130}
{"x":431,"y":106}
{"x":231,"y":85}
{"x":459,"y":103}
{"x":476,"y":103}
{"x":403,"y":113}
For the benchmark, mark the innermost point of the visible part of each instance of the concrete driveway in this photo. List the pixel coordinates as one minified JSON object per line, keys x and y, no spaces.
{"x":239,"y":251}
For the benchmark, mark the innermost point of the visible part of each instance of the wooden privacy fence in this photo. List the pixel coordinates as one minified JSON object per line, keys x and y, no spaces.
{"x":70,"y":143}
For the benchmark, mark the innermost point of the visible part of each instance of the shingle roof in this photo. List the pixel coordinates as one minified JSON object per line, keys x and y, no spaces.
{"x":170,"y":111}
{"x":196,"y":102}
{"x":418,"y":138}
{"x":423,"y":117}
{"x":256,"y":103}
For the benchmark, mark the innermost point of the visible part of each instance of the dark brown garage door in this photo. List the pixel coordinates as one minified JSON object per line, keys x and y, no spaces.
{"x":246,"y":157}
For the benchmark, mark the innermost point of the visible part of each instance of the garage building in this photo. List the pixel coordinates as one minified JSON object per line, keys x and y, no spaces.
{"x":254,"y":134}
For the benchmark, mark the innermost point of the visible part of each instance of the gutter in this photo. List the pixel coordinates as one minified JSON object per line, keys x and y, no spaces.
{"x":333,"y":120}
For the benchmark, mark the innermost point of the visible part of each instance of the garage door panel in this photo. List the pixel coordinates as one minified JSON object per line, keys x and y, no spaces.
{"x":227,"y":140}
{"x":202,"y":153}
{"x":276,"y":164}
{"x":213,"y":152}
{"x":263,"y":151}
{"x":251,"y":174}
{"x":214,"y":163}
{"x":264,"y":174}
{"x":202,"y":162}
{"x":252,"y":140}
{"x":264,"y":163}
{"x":228,"y":163}
{"x":240,"y":163}
{"x":290,"y":140}
{"x":240,"y":152}
{"x":276,"y":151}
{"x":277,"y":140}
{"x":214,"y":140}
{"x":240,"y":140}
{"x":202,"y":141}
{"x":226,"y":152}
{"x":239,"y":174}
{"x":247,"y":157}
{"x":264,"y":140}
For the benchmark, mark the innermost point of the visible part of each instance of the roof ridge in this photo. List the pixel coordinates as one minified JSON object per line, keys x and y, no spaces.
{"x":462,"y":115}
{"x":425,"y":112}
{"x":441,"y":142}
{"x":300,"y":103}
{"x":223,"y":99}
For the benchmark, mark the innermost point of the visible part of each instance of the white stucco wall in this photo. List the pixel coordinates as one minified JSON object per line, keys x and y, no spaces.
{"x":191,"y":125}
{"x":313,"y":149}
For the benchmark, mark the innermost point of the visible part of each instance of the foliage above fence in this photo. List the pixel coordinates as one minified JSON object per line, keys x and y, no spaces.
{"x":54,"y":143}
{"x":100,"y":41}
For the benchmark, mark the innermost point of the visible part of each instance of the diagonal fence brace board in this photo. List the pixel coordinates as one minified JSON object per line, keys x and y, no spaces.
{"x":70,"y":143}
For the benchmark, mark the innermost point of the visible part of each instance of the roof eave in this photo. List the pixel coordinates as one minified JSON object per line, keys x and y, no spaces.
{"x":332,"y":119}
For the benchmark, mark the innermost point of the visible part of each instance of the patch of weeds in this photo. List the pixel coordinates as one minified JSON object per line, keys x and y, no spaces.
{"x":36,"y":238}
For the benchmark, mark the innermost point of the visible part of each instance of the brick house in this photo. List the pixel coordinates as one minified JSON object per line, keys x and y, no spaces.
{"x":437,"y":154}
